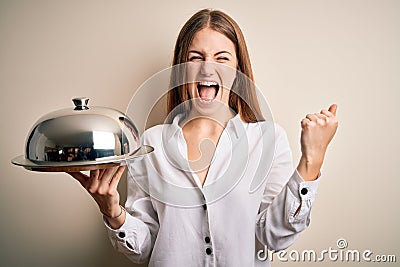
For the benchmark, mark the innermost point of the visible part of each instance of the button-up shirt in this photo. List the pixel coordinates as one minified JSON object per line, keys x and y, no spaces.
{"x":251,"y":194}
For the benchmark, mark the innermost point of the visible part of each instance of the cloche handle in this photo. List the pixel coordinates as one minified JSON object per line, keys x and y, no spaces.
{"x":81,"y":103}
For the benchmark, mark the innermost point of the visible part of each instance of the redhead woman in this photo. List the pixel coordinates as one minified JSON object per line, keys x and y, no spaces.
{"x":216,"y":140}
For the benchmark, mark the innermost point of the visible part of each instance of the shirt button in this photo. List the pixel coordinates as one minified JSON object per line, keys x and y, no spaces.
{"x":121,"y":234}
{"x":208,"y":251}
{"x":205,"y":207}
{"x":207,"y":239}
{"x":304,"y":191}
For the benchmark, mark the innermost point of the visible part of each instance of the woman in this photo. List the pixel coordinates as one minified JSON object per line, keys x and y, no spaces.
{"x":215,"y":116}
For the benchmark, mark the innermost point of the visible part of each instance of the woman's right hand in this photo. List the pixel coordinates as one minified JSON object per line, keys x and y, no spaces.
{"x":102,"y":186}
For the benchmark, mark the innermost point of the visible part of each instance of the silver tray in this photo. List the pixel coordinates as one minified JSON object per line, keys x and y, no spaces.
{"x":72,"y":166}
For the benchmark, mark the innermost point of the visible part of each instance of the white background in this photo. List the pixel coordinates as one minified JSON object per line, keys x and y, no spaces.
{"x":305,"y":55}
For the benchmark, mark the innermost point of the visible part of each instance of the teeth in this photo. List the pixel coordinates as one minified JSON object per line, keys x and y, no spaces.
{"x":208,"y":83}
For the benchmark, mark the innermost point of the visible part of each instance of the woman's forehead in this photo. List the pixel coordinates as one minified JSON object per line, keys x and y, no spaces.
{"x":211,"y":41}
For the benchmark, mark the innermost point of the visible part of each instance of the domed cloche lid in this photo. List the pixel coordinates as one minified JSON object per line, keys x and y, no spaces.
{"x":81,"y":138}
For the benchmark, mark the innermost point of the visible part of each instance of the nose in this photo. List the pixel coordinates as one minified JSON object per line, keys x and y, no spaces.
{"x":207,"y":68}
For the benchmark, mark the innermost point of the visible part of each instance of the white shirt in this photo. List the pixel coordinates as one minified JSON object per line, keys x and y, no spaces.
{"x":251,"y":190}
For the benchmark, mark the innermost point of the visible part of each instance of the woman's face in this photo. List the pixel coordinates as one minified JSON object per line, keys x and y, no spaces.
{"x":211,"y":70}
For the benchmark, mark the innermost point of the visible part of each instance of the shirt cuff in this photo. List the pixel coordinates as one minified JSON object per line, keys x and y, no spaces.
{"x":123,"y":235}
{"x":303,"y":189}
{"x":120,"y":232}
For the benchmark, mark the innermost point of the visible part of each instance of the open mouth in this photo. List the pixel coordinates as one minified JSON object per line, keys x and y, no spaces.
{"x":207,"y":90}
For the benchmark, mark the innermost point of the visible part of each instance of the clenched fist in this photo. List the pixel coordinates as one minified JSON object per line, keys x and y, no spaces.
{"x":318,"y":130}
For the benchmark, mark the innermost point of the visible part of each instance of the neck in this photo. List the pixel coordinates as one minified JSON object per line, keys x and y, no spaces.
{"x":211,"y":122}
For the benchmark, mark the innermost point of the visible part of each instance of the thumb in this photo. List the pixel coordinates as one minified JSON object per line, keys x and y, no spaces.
{"x":333,"y":109}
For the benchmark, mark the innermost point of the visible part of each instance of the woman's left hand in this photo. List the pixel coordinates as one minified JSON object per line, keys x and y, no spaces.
{"x":318,"y":130}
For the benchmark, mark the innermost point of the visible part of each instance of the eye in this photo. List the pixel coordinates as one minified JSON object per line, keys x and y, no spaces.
{"x":195,"y":58}
{"x":222,"y":59}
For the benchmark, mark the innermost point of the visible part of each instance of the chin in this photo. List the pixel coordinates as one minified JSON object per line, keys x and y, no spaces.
{"x":208,"y":108}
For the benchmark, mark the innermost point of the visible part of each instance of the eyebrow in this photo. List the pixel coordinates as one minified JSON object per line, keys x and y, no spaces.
{"x":216,"y":54}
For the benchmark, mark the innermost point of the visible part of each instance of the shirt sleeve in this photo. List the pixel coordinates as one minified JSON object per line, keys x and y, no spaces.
{"x":136,"y":237}
{"x":287,"y":200}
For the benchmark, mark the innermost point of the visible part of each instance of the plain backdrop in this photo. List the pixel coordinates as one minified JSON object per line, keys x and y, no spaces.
{"x":305,"y":55}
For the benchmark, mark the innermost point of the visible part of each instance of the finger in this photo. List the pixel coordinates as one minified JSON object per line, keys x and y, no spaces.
{"x":322,"y":116}
{"x":94,"y":174}
{"x":93,"y":185}
{"x":117,"y":177}
{"x":333,"y":109}
{"x":327,"y":113}
{"x":104,"y":185}
{"x":101,"y":173}
{"x":312,"y":117}
{"x":94,"y":180}
{"x":304,"y":122}
{"x":323,"y":119}
{"x":107,"y":176}
{"x":80,"y":177}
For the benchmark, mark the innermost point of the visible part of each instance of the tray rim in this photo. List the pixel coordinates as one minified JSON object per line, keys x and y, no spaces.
{"x":22,"y":161}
